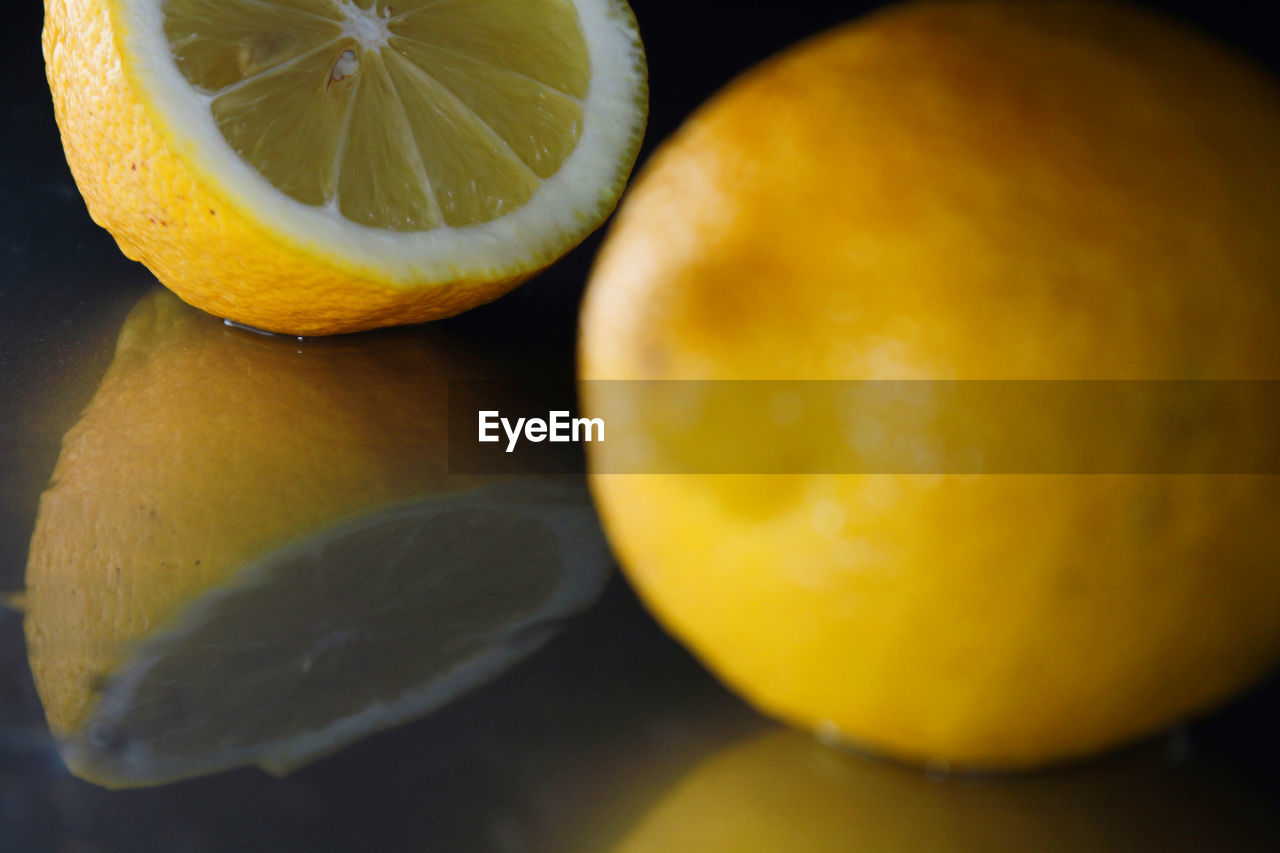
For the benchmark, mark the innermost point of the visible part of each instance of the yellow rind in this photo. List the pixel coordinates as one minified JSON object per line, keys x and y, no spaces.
{"x":959,"y":190}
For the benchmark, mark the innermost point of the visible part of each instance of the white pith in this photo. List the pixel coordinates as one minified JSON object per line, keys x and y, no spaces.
{"x":366,"y":26}
{"x":559,"y":213}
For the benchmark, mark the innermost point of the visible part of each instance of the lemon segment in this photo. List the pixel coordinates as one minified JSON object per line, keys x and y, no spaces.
{"x":381,"y":180}
{"x":540,"y":123}
{"x":218,"y":44}
{"x":490,"y":31}
{"x":448,"y":133}
{"x":293,"y":138}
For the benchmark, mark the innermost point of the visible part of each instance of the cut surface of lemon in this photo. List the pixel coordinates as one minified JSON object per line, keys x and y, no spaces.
{"x":309,"y":166}
{"x":371,"y":623}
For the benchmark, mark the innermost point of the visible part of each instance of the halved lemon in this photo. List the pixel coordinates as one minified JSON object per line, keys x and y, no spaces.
{"x":317,"y":166}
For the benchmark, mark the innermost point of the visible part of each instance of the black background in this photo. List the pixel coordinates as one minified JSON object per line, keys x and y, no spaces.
{"x":694,"y":47}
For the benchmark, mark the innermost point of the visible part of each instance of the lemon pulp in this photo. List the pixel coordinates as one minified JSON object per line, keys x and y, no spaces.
{"x":402,"y":115}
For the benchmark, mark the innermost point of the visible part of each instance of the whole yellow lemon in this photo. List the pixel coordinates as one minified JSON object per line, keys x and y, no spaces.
{"x":970,"y":191}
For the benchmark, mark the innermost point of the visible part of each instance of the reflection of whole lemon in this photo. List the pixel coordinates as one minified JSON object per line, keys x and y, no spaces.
{"x":782,"y":791}
{"x":977,"y":190}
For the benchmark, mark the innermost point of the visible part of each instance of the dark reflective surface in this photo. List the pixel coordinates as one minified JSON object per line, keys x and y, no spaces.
{"x":609,"y":736}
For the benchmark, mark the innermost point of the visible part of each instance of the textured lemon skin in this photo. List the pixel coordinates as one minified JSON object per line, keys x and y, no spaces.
{"x":164,"y":214}
{"x":203,"y":449}
{"x":974,"y":190}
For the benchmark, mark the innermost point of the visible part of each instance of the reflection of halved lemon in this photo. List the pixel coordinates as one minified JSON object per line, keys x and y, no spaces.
{"x":252,"y":553}
{"x":346,"y":632}
{"x":782,"y":791}
{"x":314,"y":166}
